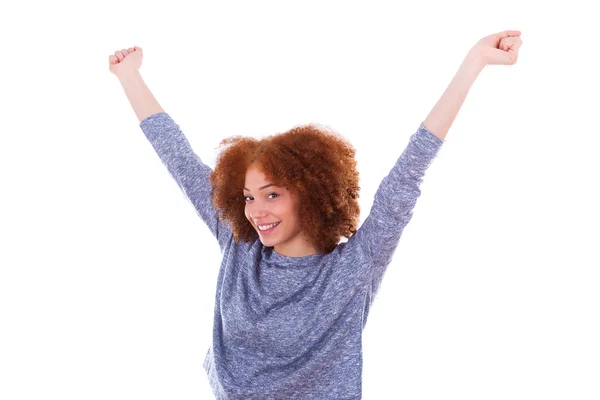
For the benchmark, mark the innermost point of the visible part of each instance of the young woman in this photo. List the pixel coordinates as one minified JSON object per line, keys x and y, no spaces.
{"x":291,"y":300}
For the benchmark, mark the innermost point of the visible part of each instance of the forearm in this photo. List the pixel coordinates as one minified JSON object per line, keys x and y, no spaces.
{"x":444,"y":112}
{"x":143,"y":102}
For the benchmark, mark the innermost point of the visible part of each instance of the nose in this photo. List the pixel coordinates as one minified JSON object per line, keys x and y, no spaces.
{"x":257,"y":211}
{"x":257,"y":217}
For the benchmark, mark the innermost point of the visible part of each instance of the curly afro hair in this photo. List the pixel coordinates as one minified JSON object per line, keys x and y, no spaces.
{"x":313,"y":162}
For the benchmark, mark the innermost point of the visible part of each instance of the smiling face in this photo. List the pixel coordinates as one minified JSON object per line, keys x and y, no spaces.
{"x":267,"y":204}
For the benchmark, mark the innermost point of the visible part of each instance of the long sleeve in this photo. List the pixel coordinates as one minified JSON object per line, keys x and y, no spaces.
{"x":188,"y":170}
{"x":392,"y":208}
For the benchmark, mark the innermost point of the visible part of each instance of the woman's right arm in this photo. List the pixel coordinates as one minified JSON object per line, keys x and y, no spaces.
{"x":185,"y":166}
{"x":187,"y":169}
{"x":125,"y":64}
{"x":142,"y":101}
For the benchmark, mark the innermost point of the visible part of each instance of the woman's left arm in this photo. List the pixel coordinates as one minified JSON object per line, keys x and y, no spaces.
{"x":499,"y":48}
{"x":372,"y":246}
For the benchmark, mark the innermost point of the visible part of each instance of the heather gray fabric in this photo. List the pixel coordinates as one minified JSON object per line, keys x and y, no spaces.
{"x":291,"y":327}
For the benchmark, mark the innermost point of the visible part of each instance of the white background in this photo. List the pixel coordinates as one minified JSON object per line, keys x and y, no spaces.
{"x":108,"y":275}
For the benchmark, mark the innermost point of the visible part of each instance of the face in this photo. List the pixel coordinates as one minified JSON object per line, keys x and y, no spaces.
{"x":267,"y":204}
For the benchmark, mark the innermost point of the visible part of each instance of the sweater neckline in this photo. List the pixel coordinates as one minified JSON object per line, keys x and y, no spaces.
{"x":270,"y":256}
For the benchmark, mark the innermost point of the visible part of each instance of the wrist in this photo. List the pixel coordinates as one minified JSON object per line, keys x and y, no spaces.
{"x":475,"y":58}
{"x":128,"y":74}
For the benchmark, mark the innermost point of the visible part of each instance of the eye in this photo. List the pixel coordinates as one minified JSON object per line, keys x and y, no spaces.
{"x":246,"y":197}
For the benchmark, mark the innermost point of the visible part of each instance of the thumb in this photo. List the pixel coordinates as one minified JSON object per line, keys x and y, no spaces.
{"x":502,"y":57}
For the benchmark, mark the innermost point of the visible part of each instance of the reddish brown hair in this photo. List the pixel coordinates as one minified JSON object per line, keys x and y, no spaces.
{"x":313,"y":162}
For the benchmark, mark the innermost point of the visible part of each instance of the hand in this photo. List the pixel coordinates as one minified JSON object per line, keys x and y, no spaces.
{"x":499,"y":48}
{"x":125,"y":60}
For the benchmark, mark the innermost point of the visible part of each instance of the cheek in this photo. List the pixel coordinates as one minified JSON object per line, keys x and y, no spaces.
{"x":285,"y":209}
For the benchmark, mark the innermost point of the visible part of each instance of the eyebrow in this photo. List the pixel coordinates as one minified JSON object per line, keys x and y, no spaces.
{"x":262,"y":187}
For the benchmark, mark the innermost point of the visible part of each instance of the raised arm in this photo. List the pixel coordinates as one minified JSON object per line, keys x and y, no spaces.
{"x":187,"y":169}
{"x":184,"y":165}
{"x":377,"y":238}
{"x":125,"y":65}
{"x":498,"y":48}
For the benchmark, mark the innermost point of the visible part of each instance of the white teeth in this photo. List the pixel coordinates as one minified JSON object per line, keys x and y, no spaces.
{"x":265,"y":227}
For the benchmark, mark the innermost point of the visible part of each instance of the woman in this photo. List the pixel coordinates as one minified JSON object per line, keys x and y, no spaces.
{"x":292,"y":301}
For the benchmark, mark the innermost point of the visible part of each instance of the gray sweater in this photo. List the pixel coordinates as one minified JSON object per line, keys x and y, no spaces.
{"x":291,"y":327}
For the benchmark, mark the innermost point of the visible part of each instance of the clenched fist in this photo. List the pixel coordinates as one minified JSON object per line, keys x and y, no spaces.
{"x":125,"y":60}
{"x":499,"y":48}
